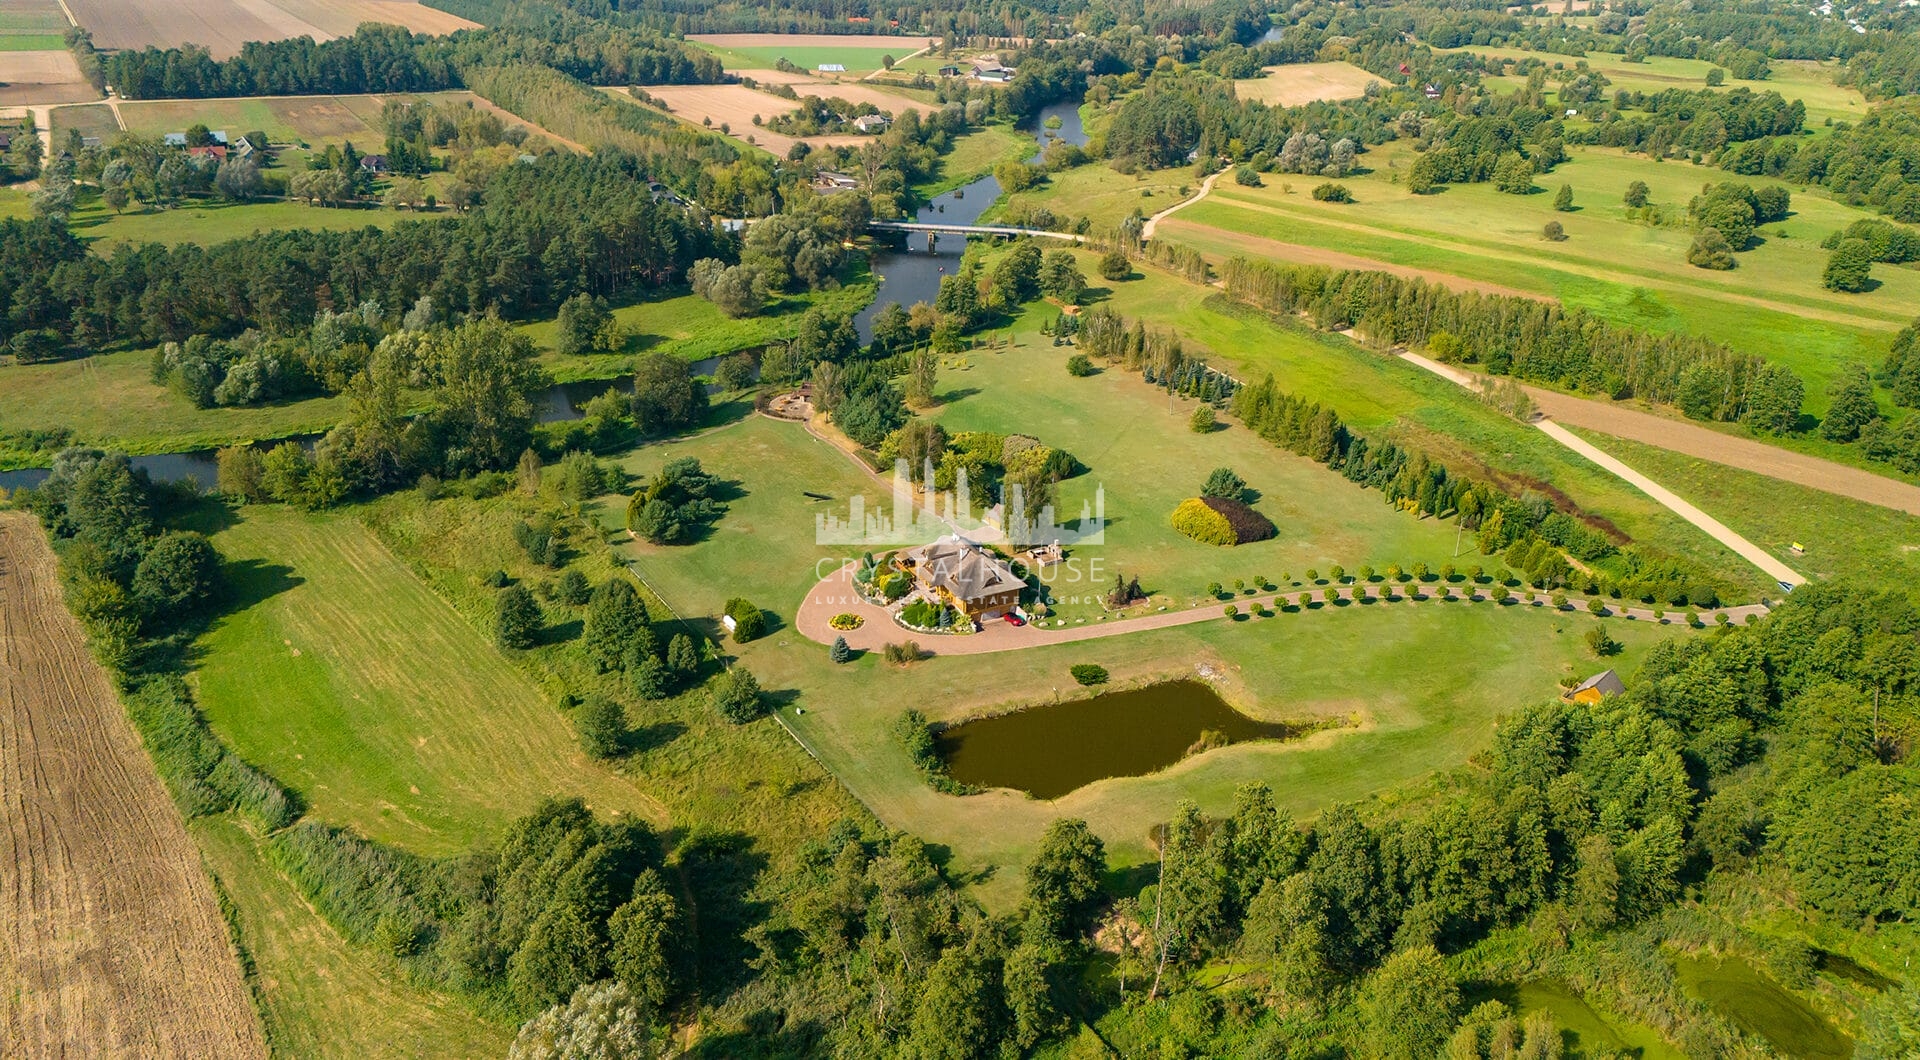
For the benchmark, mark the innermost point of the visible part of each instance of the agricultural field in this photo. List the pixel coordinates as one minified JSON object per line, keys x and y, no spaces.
{"x":1626,"y":271}
{"x":1297,"y":84}
{"x":111,"y":939}
{"x":38,"y":69}
{"x":861,"y":55}
{"x":222,"y":26}
{"x":1809,"y":82}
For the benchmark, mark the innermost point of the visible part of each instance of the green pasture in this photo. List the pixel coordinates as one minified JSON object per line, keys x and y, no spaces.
{"x":318,"y":995}
{"x":345,"y":677}
{"x":90,"y":119}
{"x":1624,"y":270}
{"x":32,"y":42}
{"x":974,"y":155}
{"x":212,"y":221}
{"x":1842,"y":538}
{"x":688,"y":326}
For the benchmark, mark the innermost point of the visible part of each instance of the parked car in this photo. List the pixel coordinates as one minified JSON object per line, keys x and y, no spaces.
{"x":1013,"y":619}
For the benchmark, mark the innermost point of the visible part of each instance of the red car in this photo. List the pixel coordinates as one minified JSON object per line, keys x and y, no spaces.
{"x":1013,"y":619}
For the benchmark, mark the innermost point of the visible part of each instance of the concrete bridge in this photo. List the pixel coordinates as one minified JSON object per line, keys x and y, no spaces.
{"x":970,"y":230}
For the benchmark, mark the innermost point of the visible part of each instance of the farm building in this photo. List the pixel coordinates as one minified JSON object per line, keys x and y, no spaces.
{"x":374,"y":164}
{"x":213,"y":151}
{"x":833,"y":68}
{"x":829,"y":181}
{"x":950,"y":70}
{"x":1596,"y":688}
{"x":965,"y":575}
{"x":873,"y":124}
{"x":997,"y":75}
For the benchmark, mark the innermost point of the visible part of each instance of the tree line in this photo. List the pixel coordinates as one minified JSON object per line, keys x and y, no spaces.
{"x":550,"y":230}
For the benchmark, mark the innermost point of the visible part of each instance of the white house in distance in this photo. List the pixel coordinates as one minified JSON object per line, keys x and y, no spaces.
{"x":873,"y":124}
{"x":833,"y":68}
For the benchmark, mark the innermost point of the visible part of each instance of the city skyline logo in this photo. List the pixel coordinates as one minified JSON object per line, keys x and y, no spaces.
{"x":912,"y":516}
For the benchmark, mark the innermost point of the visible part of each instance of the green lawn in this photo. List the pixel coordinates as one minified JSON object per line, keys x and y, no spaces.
{"x":1349,"y":663}
{"x":320,"y":997}
{"x":346,"y":678}
{"x":91,"y":119}
{"x":1628,"y":272}
{"x":1843,"y":538}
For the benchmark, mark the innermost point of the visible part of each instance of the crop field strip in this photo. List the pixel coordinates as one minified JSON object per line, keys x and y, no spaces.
{"x":110,"y":936}
{"x":224,"y":25}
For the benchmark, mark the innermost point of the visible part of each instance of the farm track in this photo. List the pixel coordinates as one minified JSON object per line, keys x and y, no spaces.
{"x":111,"y":942}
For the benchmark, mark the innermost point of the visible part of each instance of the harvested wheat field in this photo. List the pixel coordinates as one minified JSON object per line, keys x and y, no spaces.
{"x":1299,"y":83}
{"x":42,"y":77}
{"x":111,"y":943}
{"x":224,"y":25}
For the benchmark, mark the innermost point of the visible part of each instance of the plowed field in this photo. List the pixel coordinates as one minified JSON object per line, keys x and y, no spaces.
{"x":111,"y":943}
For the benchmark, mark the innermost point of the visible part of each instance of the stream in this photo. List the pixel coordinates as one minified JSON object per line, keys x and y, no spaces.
{"x":905,"y":276}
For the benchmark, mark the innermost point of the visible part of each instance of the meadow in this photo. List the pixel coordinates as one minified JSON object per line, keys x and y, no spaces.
{"x":1623,"y":270}
{"x":211,"y":221}
{"x":1102,"y":195}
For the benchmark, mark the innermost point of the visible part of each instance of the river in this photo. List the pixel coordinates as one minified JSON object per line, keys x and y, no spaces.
{"x":905,"y":276}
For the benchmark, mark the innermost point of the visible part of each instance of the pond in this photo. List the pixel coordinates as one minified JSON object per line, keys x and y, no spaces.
{"x":1585,"y":1030}
{"x":1048,"y":751}
{"x":1757,"y":1005}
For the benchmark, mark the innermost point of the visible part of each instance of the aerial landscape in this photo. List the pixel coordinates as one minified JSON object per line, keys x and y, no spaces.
{"x":603,"y":529}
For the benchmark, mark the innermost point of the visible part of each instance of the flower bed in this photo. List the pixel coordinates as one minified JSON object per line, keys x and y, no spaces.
{"x":846,"y":620}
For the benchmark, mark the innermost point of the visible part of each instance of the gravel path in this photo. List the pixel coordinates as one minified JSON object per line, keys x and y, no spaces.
{"x":835,"y":595}
{"x":1714,"y":528}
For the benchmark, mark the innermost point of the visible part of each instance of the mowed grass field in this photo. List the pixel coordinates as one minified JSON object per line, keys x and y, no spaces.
{"x":1628,"y":272}
{"x":1100,"y":194}
{"x":212,"y":221}
{"x":346,"y":678}
{"x":1416,"y":688}
{"x":1843,"y":538}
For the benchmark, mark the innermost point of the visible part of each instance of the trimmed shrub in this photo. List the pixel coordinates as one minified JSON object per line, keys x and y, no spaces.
{"x":1197,"y":520}
{"x":749,"y":622}
{"x":1088,"y":673}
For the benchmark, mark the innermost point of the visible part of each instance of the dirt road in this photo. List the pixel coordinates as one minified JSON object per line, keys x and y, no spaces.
{"x":1772,"y":461}
{"x":1714,"y":528}
{"x":111,"y":943}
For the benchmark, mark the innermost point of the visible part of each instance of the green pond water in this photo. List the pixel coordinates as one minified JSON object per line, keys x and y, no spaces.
{"x":1758,"y":1005}
{"x":1585,"y":1031}
{"x":1048,"y":751}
